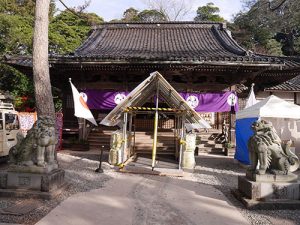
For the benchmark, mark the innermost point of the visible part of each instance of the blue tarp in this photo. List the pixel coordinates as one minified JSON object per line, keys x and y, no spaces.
{"x":243,"y":133}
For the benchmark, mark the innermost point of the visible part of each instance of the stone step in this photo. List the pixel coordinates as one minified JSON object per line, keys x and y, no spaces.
{"x":218,"y":151}
{"x":159,"y":144}
{"x":229,"y":152}
{"x":94,"y":138}
{"x":158,"y":151}
{"x":99,"y":134}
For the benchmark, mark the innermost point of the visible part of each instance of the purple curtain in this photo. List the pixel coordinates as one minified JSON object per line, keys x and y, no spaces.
{"x":104,"y":99}
{"x":208,"y":102}
{"x":212,"y":102}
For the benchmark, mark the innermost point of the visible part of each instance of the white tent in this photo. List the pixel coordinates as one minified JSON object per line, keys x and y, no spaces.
{"x":273,"y":107}
{"x":284,"y":116}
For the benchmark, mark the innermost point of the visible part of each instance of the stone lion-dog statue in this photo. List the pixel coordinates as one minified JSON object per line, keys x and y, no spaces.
{"x":38,"y":147}
{"x":266,"y":148}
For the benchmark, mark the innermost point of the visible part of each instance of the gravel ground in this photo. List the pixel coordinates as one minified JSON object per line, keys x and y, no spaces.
{"x":79,"y":174}
{"x":220,"y":172}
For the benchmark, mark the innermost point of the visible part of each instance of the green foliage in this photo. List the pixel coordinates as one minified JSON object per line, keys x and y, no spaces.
{"x":151,"y":16}
{"x":67,"y":31}
{"x":273,"y":47}
{"x":147,"y":15}
{"x":130,"y":15}
{"x":16,"y":34}
{"x":17,"y":7}
{"x":22,"y":7}
{"x":18,"y":85}
{"x":257,"y":27}
{"x":209,"y":12}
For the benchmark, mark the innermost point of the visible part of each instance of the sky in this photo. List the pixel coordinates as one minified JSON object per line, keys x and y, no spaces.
{"x":113,"y":9}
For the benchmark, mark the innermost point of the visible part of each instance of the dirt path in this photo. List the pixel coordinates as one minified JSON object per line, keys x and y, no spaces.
{"x":144,"y":200}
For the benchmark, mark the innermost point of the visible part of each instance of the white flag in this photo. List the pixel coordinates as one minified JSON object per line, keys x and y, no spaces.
{"x":251,"y":100}
{"x":80,"y":106}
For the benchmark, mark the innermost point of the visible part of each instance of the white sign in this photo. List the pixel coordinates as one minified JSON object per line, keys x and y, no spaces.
{"x":192,"y":101}
{"x":232,"y":99}
{"x":119,"y":98}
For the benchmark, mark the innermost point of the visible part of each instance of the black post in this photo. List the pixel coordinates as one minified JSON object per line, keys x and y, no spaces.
{"x":99,"y":169}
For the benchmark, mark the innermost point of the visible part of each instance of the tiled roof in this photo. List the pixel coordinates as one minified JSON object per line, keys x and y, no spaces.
{"x":167,"y":43}
{"x":170,"y":41}
{"x":290,"y":85}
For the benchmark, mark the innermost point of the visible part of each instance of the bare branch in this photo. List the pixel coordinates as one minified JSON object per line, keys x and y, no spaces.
{"x":276,"y":6}
{"x":173,"y":9}
{"x":79,"y":9}
{"x":86,"y":4}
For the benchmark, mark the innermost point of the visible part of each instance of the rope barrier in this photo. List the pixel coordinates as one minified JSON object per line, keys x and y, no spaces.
{"x":137,"y":108}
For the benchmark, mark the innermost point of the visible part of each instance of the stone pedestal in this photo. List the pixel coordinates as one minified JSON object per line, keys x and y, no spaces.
{"x":269,"y":191}
{"x":188,"y":161}
{"x":25,"y":184}
{"x":188,"y":157}
{"x":33,"y":169}
{"x":290,"y":177}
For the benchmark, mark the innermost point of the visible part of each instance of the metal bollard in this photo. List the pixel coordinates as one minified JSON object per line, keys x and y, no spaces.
{"x":99,"y":169}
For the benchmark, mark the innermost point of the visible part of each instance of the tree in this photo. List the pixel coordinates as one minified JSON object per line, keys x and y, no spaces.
{"x":130,"y":15}
{"x":16,"y":34}
{"x":272,"y":4}
{"x":67,"y":30}
{"x":41,"y":76}
{"x":209,"y":12}
{"x":66,"y":33}
{"x":147,"y":15}
{"x":151,"y":16}
{"x":266,"y":21}
{"x":173,"y":10}
{"x":22,"y":7}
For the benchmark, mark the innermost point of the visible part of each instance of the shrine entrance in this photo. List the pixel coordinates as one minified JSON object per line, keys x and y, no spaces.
{"x":127,"y":115}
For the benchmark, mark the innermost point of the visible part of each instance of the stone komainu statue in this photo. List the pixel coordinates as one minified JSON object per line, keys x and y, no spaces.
{"x":266,"y":148}
{"x":38,"y":148}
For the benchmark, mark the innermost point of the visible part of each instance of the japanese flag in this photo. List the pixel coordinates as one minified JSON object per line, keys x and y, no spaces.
{"x":80,"y":106}
{"x":251,"y":100}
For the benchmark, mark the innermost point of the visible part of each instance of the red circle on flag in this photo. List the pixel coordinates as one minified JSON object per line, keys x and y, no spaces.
{"x":83,"y":103}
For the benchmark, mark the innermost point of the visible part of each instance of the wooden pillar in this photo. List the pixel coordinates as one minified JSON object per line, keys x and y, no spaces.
{"x":80,"y":128}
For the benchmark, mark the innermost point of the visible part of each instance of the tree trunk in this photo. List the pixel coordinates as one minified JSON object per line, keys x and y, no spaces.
{"x":41,"y":77}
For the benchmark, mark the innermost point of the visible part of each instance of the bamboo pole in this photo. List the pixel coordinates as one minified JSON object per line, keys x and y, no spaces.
{"x":124,"y":136}
{"x":155,"y":130}
{"x":182,"y":135}
{"x":134,"y":133}
{"x":130,"y":134}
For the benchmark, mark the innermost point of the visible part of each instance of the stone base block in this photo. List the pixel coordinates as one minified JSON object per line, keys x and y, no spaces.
{"x":33,"y":169}
{"x":290,"y":177}
{"x":268,"y":190}
{"x":20,"y":193}
{"x":188,"y":160}
{"x":46,"y":182}
{"x":267,"y":204}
